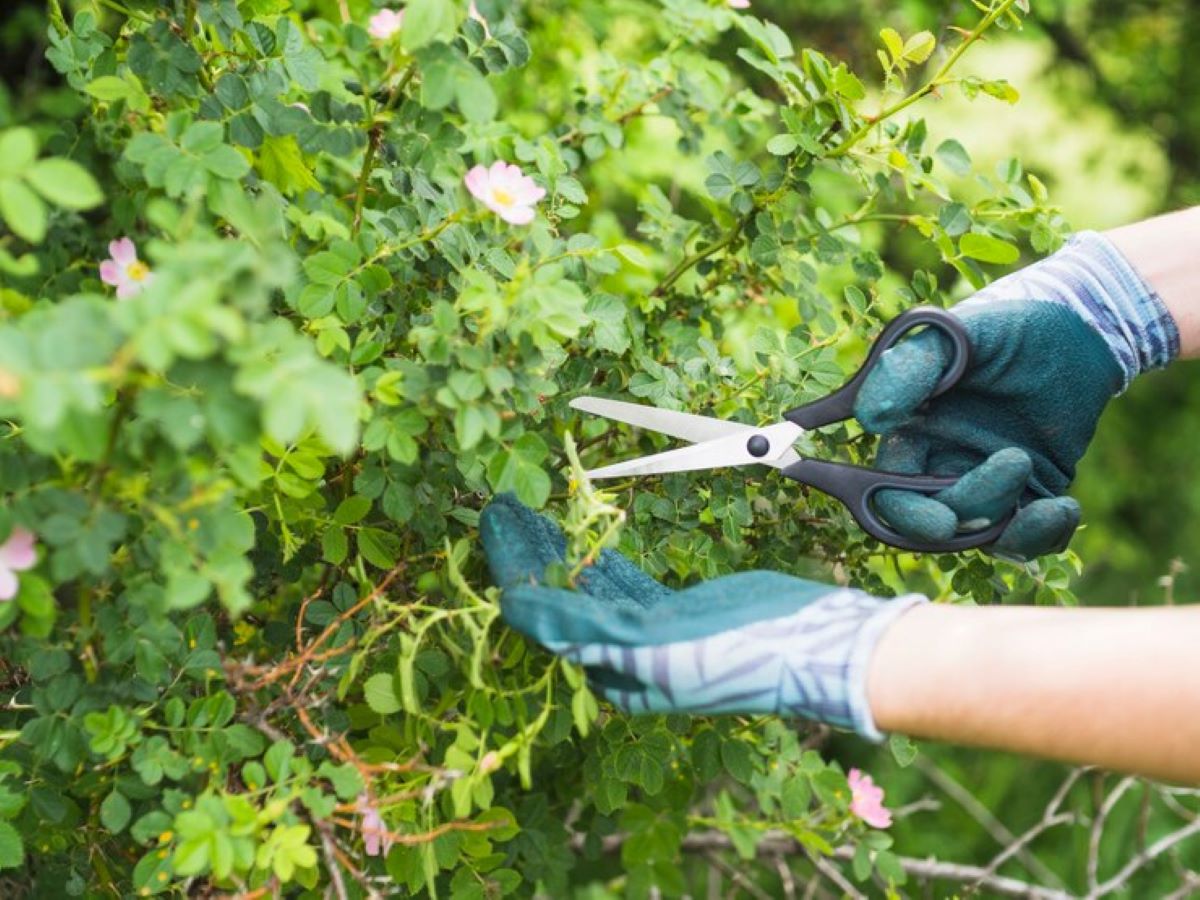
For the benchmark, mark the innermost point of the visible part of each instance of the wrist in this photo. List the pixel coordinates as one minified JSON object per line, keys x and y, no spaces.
{"x":861,"y":662}
{"x":1163,"y":252}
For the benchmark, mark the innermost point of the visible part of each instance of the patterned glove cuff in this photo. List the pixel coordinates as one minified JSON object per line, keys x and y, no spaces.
{"x":1092,"y":277}
{"x":860,"y":658}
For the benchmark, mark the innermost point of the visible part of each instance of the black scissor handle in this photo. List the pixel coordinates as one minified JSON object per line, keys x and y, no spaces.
{"x":856,"y":487}
{"x":839,"y":405}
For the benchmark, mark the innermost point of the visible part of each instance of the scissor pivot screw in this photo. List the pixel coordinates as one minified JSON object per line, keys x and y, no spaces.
{"x":758,"y":445}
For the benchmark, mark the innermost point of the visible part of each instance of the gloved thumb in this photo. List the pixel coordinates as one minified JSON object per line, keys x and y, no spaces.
{"x":901,"y":381}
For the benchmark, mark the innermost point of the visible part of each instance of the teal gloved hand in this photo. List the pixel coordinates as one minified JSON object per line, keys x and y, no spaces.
{"x":755,"y":642}
{"x":1051,"y":345}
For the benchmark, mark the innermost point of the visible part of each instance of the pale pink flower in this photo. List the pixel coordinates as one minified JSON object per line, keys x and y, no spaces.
{"x":125,"y":271}
{"x":474,"y":13}
{"x":374,"y":831}
{"x":16,"y":555}
{"x":738,"y":4}
{"x":505,"y":191}
{"x":866,"y":800}
{"x":385,"y":23}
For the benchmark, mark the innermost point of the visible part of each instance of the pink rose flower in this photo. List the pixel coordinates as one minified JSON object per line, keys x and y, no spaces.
{"x":16,"y":555}
{"x":374,"y":831}
{"x":866,"y":800}
{"x":505,"y":191}
{"x":125,"y":271}
{"x":385,"y":23}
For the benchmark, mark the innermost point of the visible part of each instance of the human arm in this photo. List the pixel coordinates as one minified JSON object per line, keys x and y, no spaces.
{"x":1117,"y":688}
{"x":1053,"y":343}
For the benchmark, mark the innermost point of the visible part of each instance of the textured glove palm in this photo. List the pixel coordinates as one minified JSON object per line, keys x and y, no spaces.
{"x":1051,"y":345}
{"x":755,"y":642}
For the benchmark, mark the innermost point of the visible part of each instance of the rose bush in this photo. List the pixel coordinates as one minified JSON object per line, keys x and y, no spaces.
{"x":290,"y":288}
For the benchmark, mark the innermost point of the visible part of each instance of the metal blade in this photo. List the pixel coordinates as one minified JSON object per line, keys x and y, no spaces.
{"x":685,"y":426}
{"x":730,"y":450}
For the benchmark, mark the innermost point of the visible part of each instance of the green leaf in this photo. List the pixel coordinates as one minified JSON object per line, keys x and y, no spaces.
{"x":353,"y":509}
{"x":378,"y":547}
{"x":782,"y":145}
{"x":22,"y":210}
{"x":12,"y":850}
{"x":986,"y":248}
{"x":918,"y":48}
{"x":18,"y":149}
{"x":225,"y":162}
{"x":380,"y":693}
{"x":426,"y":21}
{"x":115,"y":812}
{"x":519,"y":470}
{"x":280,"y":161}
{"x":65,"y":183}
{"x":954,"y":156}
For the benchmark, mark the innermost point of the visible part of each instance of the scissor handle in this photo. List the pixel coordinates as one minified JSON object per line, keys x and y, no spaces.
{"x":839,"y":405}
{"x":856,"y":487}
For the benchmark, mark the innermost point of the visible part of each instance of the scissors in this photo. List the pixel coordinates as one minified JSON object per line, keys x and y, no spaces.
{"x":718,"y":443}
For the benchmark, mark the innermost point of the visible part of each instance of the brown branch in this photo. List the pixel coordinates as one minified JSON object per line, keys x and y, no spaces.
{"x":981,"y":814}
{"x":1151,"y":853}
{"x":780,"y":844}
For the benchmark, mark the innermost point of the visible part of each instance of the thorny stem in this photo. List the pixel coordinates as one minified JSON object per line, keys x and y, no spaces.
{"x":928,"y":87}
{"x":702,"y":254}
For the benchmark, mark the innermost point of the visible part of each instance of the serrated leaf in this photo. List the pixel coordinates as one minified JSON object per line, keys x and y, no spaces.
{"x":380,"y":693}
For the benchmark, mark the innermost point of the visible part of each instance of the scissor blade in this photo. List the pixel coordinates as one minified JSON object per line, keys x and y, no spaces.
{"x":685,"y":426}
{"x":731,"y":450}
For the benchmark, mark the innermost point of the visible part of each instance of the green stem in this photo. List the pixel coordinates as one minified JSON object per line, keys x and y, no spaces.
{"x":398,"y":90}
{"x":360,"y":195}
{"x":131,"y":13}
{"x":702,"y":254}
{"x":928,"y":87}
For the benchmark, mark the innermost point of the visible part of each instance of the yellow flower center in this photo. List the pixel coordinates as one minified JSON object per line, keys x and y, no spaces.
{"x":137,"y":270}
{"x":503,"y":197}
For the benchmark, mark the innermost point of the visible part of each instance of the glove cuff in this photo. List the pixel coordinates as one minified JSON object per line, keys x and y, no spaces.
{"x":860,"y":658}
{"x":1094,"y":279}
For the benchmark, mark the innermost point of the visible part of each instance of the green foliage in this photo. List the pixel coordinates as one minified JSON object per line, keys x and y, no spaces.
{"x":259,"y":641}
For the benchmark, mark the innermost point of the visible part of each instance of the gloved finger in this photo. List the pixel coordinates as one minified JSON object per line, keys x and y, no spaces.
{"x":561,"y":620}
{"x":901,"y":381}
{"x":916,"y":516}
{"x":988,"y":492}
{"x":519,"y":545}
{"x":1044,"y":526}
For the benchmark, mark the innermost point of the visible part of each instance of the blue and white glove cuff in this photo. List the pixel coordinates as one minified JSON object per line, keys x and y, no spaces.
{"x":1092,"y":277}
{"x":811,"y":663}
{"x":860,"y":660}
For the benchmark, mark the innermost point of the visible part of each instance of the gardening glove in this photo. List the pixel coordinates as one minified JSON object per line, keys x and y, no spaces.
{"x":755,"y":642}
{"x":1051,"y":344}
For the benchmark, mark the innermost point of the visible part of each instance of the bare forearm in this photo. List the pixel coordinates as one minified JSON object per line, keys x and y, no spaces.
{"x":1119,"y":688}
{"x":1165,"y":251}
